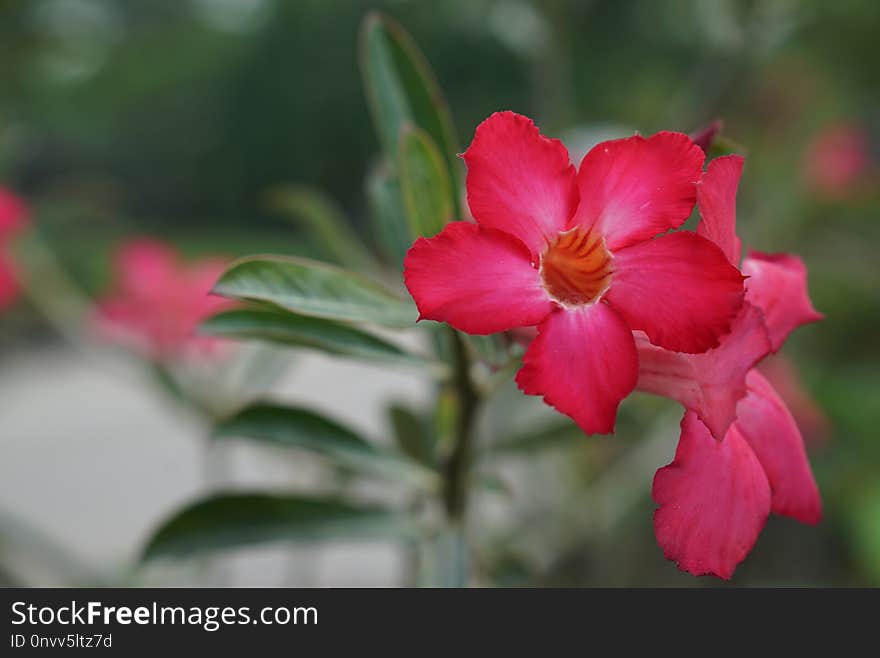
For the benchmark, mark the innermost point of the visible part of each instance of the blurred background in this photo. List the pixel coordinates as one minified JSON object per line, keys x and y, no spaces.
{"x":175,"y":119}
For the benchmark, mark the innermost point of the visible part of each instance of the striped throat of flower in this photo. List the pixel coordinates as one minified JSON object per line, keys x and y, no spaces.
{"x":576,"y":268}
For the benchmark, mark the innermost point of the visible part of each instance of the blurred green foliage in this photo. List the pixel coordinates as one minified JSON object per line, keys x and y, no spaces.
{"x":178,"y":117}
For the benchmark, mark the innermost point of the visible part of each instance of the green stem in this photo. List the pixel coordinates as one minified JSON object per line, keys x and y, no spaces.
{"x":52,"y":292}
{"x":458,"y":465}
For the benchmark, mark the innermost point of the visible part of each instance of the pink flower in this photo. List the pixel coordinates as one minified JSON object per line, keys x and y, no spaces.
{"x":836,"y":160}
{"x":13,"y":219}
{"x":158,"y":301}
{"x":741,"y":455}
{"x":572,"y":253}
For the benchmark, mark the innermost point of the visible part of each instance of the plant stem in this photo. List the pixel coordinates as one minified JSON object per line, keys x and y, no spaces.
{"x":458,"y":465}
{"x":52,"y":292}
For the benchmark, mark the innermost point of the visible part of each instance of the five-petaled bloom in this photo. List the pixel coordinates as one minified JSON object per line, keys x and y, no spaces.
{"x":575,"y":253}
{"x":158,"y":301}
{"x":13,"y":219}
{"x":741,"y":454}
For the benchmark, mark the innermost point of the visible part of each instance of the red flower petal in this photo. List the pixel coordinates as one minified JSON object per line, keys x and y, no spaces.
{"x":709,"y":384}
{"x":478,"y":279}
{"x":713,"y":501}
{"x":679,"y":289}
{"x":519,"y":181}
{"x":632,"y":189}
{"x":765,"y":422}
{"x":778,"y":286}
{"x":716,"y":199}
{"x":584,"y":363}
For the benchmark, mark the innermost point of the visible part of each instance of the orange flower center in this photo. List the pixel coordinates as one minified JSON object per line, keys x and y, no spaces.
{"x":576,"y":269}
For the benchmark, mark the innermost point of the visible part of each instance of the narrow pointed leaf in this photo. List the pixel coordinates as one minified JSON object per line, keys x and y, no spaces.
{"x":276,"y":325}
{"x":401,"y":88}
{"x":388,"y":214}
{"x":424,"y":181}
{"x":492,"y":483}
{"x":722,"y":145}
{"x":413,"y":434}
{"x":227,"y":521}
{"x":315,"y":289}
{"x":493,"y":349}
{"x":532,"y":441}
{"x":303,"y":429}
{"x":324,"y":222}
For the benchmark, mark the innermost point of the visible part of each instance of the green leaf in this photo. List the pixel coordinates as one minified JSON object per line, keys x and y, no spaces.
{"x":279,"y":326}
{"x":180,"y":391}
{"x":315,"y":289}
{"x":494,"y":349}
{"x":401,"y":88}
{"x":413,"y":433}
{"x":245,"y":519}
{"x":168,"y":383}
{"x":322,"y":220}
{"x":303,"y":429}
{"x":864,"y":518}
{"x":495,"y":484}
{"x":388,"y":214}
{"x":553,"y":435}
{"x":722,"y":145}
{"x":424,"y":180}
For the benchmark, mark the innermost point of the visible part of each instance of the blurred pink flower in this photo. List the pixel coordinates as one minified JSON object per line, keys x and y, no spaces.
{"x":13,"y":219}
{"x":13,"y":214}
{"x":837,"y":160}
{"x":157,"y":302}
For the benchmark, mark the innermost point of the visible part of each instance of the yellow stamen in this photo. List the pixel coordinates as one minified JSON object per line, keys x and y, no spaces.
{"x":576,"y":269}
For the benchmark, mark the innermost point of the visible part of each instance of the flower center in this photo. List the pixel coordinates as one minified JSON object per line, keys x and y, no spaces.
{"x":576,"y":269}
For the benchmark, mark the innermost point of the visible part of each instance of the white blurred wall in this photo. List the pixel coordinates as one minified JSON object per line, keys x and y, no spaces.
{"x":91,"y":459}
